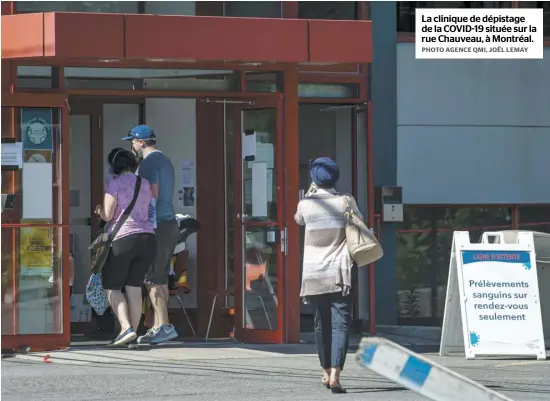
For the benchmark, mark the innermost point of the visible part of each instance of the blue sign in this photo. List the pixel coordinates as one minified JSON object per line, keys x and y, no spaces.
{"x":36,"y":128}
{"x":522,"y":257}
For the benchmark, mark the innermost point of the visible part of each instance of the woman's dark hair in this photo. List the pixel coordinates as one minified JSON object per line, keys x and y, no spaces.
{"x":121,"y":160}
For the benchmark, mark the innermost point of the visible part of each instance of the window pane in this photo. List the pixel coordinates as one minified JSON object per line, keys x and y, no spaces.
{"x":32,"y":256}
{"x":260,"y":264}
{"x":534,"y":218}
{"x":150,"y":79}
{"x":335,"y":10}
{"x":424,"y":243}
{"x":38,"y":130}
{"x":264,"y":82}
{"x":129,"y":7}
{"x":34,"y":77}
{"x":545,"y":5}
{"x":328,"y":90}
{"x":406,"y":9}
{"x":230,"y":209}
{"x":170,"y":7}
{"x":253,"y":9}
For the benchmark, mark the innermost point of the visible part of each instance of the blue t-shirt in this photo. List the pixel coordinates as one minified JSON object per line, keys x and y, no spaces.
{"x":157,"y":168}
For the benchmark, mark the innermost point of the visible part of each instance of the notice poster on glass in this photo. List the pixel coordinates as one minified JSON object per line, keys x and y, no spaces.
{"x":12,"y":154}
{"x":36,"y":250}
{"x":186,"y":193}
{"x":37,"y":191}
{"x":36,"y":129}
{"x":38,"y":156}
{"x":248,"y":147}
{"x":187,"y":171}
{"x":264,"y":153}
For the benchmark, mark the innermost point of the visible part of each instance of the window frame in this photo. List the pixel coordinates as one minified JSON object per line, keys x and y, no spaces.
{"x":432,"y":211}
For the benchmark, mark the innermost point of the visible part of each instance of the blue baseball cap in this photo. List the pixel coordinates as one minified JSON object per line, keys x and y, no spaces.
{"x":142,"y":132}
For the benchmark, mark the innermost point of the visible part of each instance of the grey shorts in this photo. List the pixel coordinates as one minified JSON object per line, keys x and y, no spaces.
{"x":167,"y":235}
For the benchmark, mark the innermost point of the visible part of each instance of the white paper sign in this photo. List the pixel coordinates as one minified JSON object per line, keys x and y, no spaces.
{"x":187,"y":172}
{"x":259,"y":189}
{"x":248,"y":145}
{"x":37,"y":191}
{"x":12,"y":154}
{"x":265,"y":152}
{"x":492,"y":303}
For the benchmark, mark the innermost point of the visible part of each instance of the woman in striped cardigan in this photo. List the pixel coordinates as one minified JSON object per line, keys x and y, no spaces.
{"x":327,"y":265}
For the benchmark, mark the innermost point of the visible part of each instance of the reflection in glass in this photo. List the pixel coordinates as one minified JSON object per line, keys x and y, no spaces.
{"x":32,"y":256}
{"x":332,"y":10}
{"x":260,"y":278}
{"x":261,"y":203}
{"x":253,"y":9}
{"x":264,"y":81}
{"x":31,"y":282}
{"x":123,"y":7}
{"x":229,"y":206}
{"x":534,"y":218}
{"x":38,"y":130}
{"x":328,"y":90}
{"x":34,"y":77}
{"x":424,"y":243}
{"x":170,"y":7}
{"x":106,"y":78}
{"x":259,"y":206}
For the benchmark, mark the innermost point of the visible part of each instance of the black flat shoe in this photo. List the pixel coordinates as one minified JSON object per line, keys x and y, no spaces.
{"x":337,"y":388}
{"x":325,"y":382}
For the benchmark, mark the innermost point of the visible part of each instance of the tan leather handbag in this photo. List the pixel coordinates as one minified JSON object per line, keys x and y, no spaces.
{"x":363,"y":246}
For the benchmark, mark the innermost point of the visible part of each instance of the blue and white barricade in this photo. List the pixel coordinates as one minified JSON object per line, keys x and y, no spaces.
{"x":419,"y":374}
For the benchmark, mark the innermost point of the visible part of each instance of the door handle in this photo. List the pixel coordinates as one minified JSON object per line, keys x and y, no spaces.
{"x":283,"y":241}
{"x":242,"y":217}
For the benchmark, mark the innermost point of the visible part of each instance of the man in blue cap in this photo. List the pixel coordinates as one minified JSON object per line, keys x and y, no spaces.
{"x":157,"y":168}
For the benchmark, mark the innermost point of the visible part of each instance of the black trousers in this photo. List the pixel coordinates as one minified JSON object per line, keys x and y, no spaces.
{"x":332,"y":315}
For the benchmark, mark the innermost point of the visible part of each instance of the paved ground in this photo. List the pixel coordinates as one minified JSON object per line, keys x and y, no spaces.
{"x":231,"y":372}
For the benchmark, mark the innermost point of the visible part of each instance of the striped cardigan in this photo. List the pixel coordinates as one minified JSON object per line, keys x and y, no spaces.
{"x":327,"y":262}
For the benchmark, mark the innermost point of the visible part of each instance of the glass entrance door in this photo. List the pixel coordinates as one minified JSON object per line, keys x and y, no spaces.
{"x":259,"y":235}
{"x":35,"y":212}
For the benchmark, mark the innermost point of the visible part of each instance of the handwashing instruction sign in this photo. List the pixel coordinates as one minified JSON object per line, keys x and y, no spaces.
{"x":493,"y":294}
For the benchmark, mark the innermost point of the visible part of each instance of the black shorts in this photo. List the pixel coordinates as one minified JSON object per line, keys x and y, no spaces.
{"x":129,"y":261}
{"x":167,"y":235}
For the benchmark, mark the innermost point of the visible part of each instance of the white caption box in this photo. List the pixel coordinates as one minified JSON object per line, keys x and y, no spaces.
{"x":482,"y":33}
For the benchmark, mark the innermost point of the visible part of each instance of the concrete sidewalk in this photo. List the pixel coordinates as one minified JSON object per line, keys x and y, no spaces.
{"x":171,"y":352}
{"x":232,"y":371}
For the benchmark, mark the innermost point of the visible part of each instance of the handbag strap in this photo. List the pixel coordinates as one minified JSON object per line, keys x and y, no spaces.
{"x":348,"y":210}
{"x":346,"y":202}
{"x":127,"y":211}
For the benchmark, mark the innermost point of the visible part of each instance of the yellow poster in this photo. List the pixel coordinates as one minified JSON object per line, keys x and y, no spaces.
{"x":36,"y":251}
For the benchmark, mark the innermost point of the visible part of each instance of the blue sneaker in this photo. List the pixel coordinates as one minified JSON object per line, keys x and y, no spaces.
{"x":164,"y":333}
{"x":124,"y":338}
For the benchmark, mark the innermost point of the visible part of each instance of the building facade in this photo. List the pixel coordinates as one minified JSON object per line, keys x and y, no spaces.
{"x":236,"y":93}
{"x":470,"y":144}
{"x":463,"y":139}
